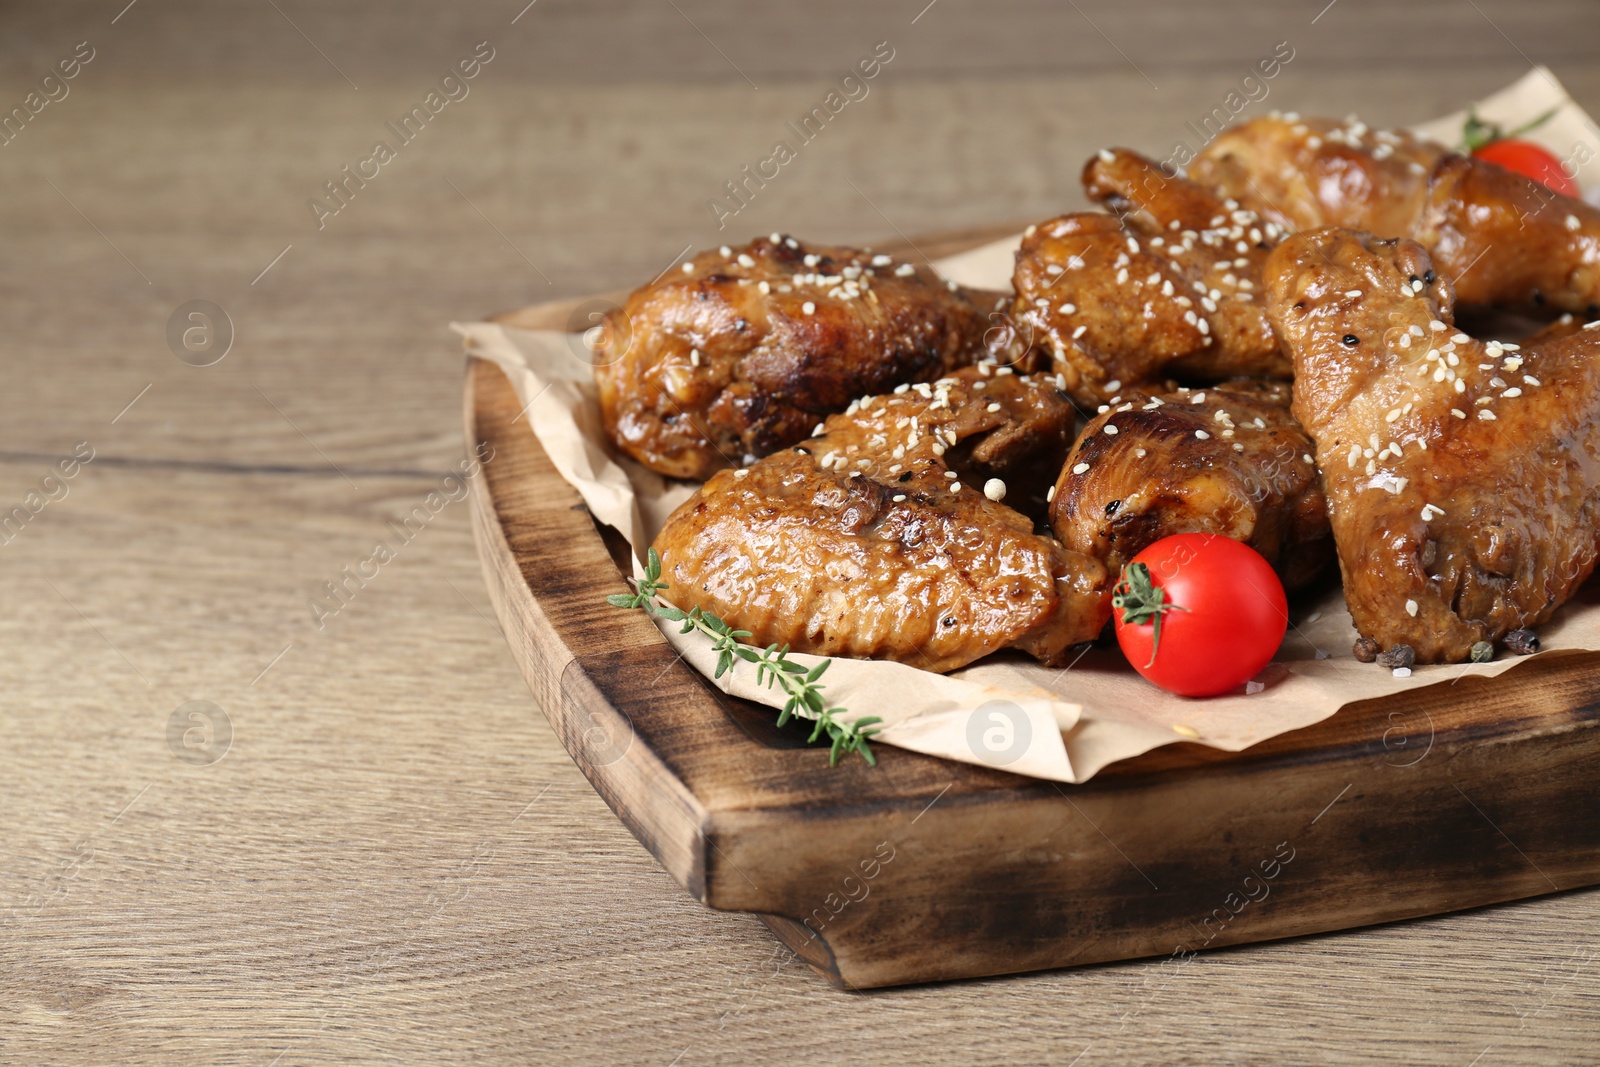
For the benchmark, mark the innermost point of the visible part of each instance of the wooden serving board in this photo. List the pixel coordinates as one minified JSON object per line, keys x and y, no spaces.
{"x":921,"y":869}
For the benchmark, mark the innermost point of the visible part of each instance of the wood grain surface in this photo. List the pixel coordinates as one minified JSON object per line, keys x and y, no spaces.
{"x":395,"y":860}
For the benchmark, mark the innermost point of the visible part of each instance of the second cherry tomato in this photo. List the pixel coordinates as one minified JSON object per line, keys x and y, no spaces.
{"x":1531,"y":161}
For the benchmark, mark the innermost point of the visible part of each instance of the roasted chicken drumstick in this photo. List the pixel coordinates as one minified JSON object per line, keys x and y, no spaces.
{"x":1227,"y":460}
{"x":1500,"y":237}
{"x":1463,"y":477}
{"x":1164,"y":288}
{"x":743,"y":351}
{"x":866,"y":540}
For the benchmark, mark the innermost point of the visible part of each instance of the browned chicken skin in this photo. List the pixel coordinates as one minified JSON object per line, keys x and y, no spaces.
{"x":1228,"y":460}
{"x":1502,"y":238}
{"x":747,"y":349}
{"x":1463,"y":477}
{"x":864,"y":541}
{"x":1168,"y":288}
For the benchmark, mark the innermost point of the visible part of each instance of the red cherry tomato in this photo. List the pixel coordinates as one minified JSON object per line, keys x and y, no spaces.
{"x":1220,"y":608}
{"x":1531,"y":161}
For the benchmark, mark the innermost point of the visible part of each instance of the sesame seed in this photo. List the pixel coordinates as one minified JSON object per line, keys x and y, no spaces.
{"x":899,"y":498}
{"x":949,"y":474}
{"x":1079,"y":332}
{"x":992,"y":408}
{"x":1198,"y":398}
{"x":1458,"y":413}
{"x":1531,"y":380}
{"x":1403,"y":672}
{"x":1122,"y":276}
{"x":694,"y":357}
{"x":725,"y":251}
{"x":1436,"y":326}
{"x":1352,"y":293}
{"x":1572,"y":223}
{"x":1050,"y":494}
{"x":1202,"y":435}
{"x":1139,"y":452}
{"x":1106,"y":156}
{"x":1486,"y":415}
{"x":1080,"y":468}
{"x":1460,"y":338}
{"x":1110,"y":429}
{"x":994,"y":489}
{"x":1411,"y":608}
{"x":809,"y":308}
{"x":765,"y":287}
{"x":1306,"y":456}
{"x":1113,"y":385}
{"x":904,"y":269}
{"x":1394,"y":413}
{"x":881,"y":261}
{"x":1461,"y":386}
{"x":1068,"y":309}
{"x":1513,"y":391}
{"x":688,"y":268}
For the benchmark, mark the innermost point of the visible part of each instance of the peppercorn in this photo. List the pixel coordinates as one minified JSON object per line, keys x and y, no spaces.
{"x":1398,"y":656}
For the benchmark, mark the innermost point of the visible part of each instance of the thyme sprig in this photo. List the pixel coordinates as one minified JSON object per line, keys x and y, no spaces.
{"x":773,"y":667}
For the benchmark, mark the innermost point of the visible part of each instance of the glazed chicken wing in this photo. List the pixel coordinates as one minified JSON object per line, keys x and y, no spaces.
{"x":1502,"y":238}
{"x":1166,"y":288}
{"x":744,"y":351}
{"x":1227,"y":460}
{"x":1463,"y":477}
{"x":873,"y":540}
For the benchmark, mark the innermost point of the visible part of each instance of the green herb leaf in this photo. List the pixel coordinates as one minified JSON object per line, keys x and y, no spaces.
{"x":802,"y":695}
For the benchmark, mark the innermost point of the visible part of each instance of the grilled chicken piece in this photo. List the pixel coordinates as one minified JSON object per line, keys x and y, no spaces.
{"x":1462,"y":476}
{"x":1502,"y":238}
{"x":1228,"y":460}
{"x":744,"y":351}
{"x":1166,"y":289}
{"x":864,"y":541}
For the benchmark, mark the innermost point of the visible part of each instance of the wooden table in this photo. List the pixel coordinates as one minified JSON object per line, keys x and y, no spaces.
{"x":366,"y":844}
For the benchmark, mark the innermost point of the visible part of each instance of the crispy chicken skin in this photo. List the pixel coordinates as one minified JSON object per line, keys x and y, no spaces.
{"x":711,"y":366}
{"x":864,"y":541}
{"x":1166,"y":288}
{"x":1463,"y":477}
{"x":1228,"y":460}
{"x":1501,"y":237}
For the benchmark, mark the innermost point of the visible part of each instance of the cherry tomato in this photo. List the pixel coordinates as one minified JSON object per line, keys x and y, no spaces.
{"x":1219,"y":607}
{"x":1531,"y":161}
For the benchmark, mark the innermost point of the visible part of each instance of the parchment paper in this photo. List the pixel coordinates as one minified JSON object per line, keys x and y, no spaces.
{"x":1008,"y":711}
